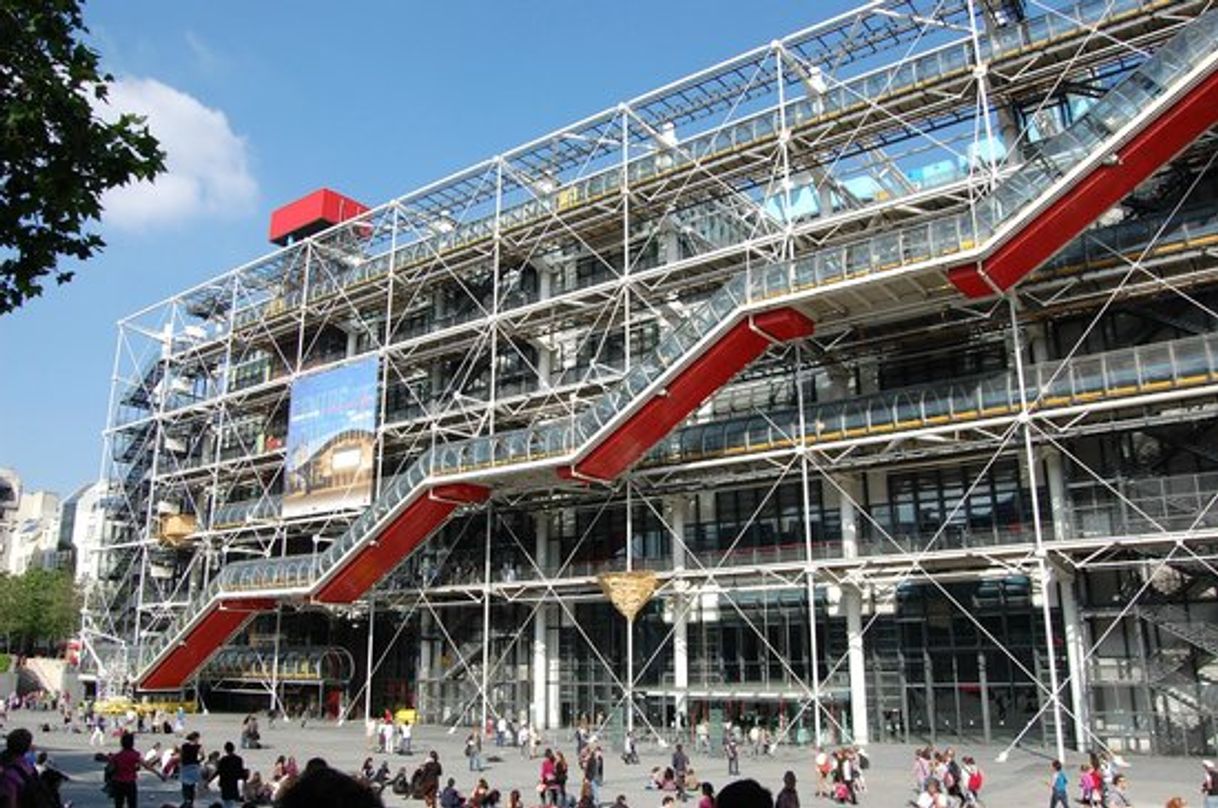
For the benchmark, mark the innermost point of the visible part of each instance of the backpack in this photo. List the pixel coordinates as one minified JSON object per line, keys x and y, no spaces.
{"x":975,"y":781}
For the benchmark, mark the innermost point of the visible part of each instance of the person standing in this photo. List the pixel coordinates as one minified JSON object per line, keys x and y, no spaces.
{"x":407,"y":737}
{"x":124,"y":768}
{"x":1209,"y":786}
{"x":732,"y":750}
{"x":680,"y":765}
{"x":98,"y":736}
{"x":547,"y":781}
{"x":473,"y":750}
{"x":1117,"y":796}
{"x":630,"y":749}
{"x":231,"y":771}
{"x":1059,"y":786}
{"x":190,"y":756}
{"x":561,"y":773}
{"x":824,"y":768}
{"x":846,"y":776}
{"x":592,"y":786}
{"x":522,"y":739}
{"x":430,"y":780}
{"x":788,"y":797}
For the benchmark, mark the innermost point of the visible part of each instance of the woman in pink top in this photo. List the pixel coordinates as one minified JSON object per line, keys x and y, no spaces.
{"x":548,"y":784}
{"x":123,"y":769}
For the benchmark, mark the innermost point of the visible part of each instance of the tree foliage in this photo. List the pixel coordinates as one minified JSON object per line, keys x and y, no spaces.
{"x":39,"y":607}
{"x":56,"y":156}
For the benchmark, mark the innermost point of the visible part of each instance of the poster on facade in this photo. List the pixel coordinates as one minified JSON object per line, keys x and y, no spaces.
{"x":331,"y":438}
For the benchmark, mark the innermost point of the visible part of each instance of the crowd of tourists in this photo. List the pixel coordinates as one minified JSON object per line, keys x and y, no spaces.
{"x":220,"y":777}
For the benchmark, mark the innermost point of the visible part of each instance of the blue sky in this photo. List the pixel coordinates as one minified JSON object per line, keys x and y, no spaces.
{"x":271,"y":100}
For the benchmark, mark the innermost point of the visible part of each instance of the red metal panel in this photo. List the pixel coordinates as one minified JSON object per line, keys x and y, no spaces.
{"x":1156,"y":144}
{"x":312,"y":212}
{"x":706,"y":374}
{"x":220,"y":622}
{"x":403,"y":535}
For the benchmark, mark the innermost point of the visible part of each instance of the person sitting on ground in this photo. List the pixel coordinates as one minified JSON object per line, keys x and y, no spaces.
{"x":481,"y":795}
{"x":450,"y":797}
{"x":255,"y":790}
{"x":170,"y":761}
{"x":280,"y":786}
{"x":153,"y":753}
{"x":746,"y":793}
{"x":209,"y":769}
{"x":400,"y":784}
{"x":514,"y":800}
{"x":707,"y":800}
{"x":323,"y":786}
{"x":367,"y":771}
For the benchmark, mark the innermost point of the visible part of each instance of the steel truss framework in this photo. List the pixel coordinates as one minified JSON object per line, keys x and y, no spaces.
{"x":516,"y":292}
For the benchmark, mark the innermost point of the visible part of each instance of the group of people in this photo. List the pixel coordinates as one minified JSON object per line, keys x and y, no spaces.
{"x":942,"y":779}
{"x":1100,"y":783}
{"x":389,"y":735}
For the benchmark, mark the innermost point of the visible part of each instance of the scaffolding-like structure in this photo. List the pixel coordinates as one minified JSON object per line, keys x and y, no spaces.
{"x":881,"y":359}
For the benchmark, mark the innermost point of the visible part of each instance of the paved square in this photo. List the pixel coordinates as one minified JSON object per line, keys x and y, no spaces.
{"x":1019,"y":782}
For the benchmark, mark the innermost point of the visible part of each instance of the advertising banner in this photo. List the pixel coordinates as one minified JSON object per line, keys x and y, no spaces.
{"x":331,"y":438}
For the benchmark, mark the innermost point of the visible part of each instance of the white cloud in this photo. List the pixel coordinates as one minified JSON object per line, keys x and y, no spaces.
{"x":207,"y":164}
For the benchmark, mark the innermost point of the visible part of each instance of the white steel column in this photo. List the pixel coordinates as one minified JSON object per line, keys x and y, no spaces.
{"x":851,"y":492}
{"x":1076,"y":656}
{"x":553,"y":665}
{"x":486,"y":621}
{"x":423,"y":675}
{"x":810,"y":570}
{"x":368,"y":669}
{"x":540,"y":667}
{"x":680,"y":618}
{"x":1038,"y":532}
{"x":553,"y":661}
{"x":1058,"y":502}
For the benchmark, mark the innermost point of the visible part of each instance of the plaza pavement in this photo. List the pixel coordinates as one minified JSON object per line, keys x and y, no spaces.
{"x":1021,"y":781}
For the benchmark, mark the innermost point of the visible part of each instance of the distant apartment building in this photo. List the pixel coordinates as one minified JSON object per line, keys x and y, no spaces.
{"x":29,"y":524}
{"x":81,"y":528}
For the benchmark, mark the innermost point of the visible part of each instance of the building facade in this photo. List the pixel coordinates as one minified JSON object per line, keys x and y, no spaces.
{"x":863,"y":384}
{"x":29,"y":525}
{"x":82,"y":530}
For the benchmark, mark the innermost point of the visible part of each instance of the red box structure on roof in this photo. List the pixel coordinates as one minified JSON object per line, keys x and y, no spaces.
{"x":311,"y":214}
